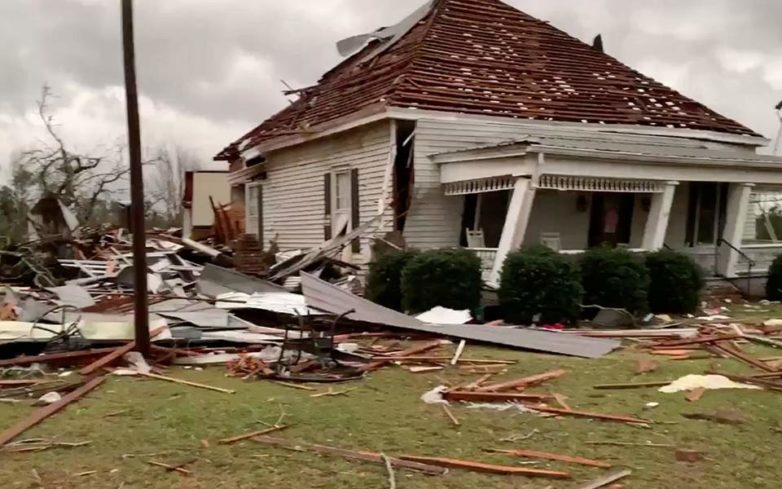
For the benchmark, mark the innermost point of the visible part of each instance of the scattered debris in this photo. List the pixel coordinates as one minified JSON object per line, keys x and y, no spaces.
{"x":695,"y":394}
{"x":710,"y":382}
{"x":450,"y":415}
{"x":247,"y":436}
{"x":722,"y":416}
{"x":487,"y":468}
{"x":552,"y":456}
{"x":689,"y":456}
{"x":364,"y":456}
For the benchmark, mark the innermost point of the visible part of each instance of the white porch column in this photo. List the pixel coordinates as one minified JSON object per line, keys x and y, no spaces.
{"x":735,"y":219}
{"x":659,"y":215}
{"x":516,"y":222}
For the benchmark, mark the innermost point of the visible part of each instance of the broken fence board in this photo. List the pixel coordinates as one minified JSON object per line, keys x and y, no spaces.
{"x":46,"y":411}
{"x":328,"y":297}
{"x":486,"y":468}
{"x":363,"y":456}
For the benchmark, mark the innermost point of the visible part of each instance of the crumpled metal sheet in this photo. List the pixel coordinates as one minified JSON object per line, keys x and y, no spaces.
{"x":325,"y":296}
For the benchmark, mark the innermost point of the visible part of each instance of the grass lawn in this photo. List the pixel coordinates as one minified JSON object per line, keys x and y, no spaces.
{"x":166,"y":422}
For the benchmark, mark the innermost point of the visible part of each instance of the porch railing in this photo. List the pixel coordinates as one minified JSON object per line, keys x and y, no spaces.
{"x":750,"y":262}
{"x":487,"y":257}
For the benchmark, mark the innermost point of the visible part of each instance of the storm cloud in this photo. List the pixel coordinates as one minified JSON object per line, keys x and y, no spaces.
{"x":209,"y":70}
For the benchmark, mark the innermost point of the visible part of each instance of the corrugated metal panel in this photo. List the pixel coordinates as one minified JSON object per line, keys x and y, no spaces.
{"x":293,"y":199}
{"x":325,"y":296}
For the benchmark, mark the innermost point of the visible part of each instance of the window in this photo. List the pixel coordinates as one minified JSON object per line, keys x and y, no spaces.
{"x":707,"y":211}
{"x":252,"y":199}
{"x":342,"y":191}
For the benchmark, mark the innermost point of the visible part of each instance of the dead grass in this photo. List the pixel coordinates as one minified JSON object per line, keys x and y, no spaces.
{"x":165,"y":422}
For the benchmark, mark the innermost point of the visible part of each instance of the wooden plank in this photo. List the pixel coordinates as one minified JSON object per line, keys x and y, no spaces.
{"x":553,"y":456}
{"x":632,"y":385}
{"x":586,"y":414}
{"x":46,"y":411}
{"x":699,"y":341}
{"x":115,"y":355}
{"x":363,"y":456}
{"x":606,"y":479}
{"x":523,"y":382}
{"x":187,"y":382}
{"x":473,"y":396}
{"x":695,"y":394}
{"x":443,"y":359}
{"x":234,"y":439}
{"x":450,"y":415}
{"x":486,"y":468}
{"x":59,"y":358}
{"x":741,"y":356}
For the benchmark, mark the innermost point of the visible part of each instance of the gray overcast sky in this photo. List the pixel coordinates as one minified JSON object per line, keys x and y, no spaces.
{"x":209,"y":70}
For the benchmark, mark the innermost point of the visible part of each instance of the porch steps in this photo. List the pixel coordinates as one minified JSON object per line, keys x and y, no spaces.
{"x":719,"y":291}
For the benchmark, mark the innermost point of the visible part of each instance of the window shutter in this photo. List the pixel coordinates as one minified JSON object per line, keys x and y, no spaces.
{"x":355,"y":214}
{"x":327,"y":206}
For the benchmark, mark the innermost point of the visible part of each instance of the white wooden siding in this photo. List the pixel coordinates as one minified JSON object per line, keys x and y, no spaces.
{"x":293,"y":197}
{"x":435,"y":220}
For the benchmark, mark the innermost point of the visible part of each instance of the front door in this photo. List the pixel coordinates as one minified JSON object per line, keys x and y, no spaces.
{"x":611,"y":219}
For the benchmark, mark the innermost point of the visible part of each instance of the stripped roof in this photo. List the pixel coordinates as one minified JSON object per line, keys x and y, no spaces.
{"x":486,"y":57}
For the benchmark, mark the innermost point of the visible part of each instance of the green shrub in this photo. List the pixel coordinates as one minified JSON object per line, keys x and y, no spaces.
{"x":540,"y":281}
{"x":447,"y":278}
{"x":384,"y":282}
{"x":615,"y":278}
{"x":774,"y":284}
{"x":676,"y":282}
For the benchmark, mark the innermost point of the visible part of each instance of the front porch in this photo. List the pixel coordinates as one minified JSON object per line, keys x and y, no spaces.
{"x":719,"y":225}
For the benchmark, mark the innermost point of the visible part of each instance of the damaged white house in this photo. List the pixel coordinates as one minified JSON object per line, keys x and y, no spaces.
{"x":473,"y":124}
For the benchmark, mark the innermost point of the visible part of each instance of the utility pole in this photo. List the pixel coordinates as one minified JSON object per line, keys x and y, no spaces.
{"x":779,"y":134}
{"x":141,"y":310}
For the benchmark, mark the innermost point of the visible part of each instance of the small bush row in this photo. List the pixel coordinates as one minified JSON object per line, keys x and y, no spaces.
{"x":415,"y":282}
{"x":540,"y":285}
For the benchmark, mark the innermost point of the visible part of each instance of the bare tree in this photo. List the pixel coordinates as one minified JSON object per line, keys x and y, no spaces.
{"x":166,"y":180}
{"x":79,"y":181}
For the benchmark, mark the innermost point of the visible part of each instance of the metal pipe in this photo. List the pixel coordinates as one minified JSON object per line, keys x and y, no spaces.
{"x":141,"y":316}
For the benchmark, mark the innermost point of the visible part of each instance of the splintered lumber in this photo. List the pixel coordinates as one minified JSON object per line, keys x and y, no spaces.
{"x":363,"y":456}
{"x":749,"y":360}
{"x":19,"y":383}
{"x":402,"y":355}
{"x":459,"y":351}
{"x":115,"y":355}
{"x":632,"y":385}
{"x":59,"y":358}
{"x":234,"y":439}
{"x":46,"y":411}
{"x":442,"y":359}
{"x":523,"y":382}
{"x":586,"y":414}
{"x":450,"y":416}
{"x":295,"y":386}
{"x":553,"y":456}
{"x":486,"y":468}
{"x":606,"y":479}
{"x":473,"y":396}
{"x":475,"y":384}
{"x":562,"y":401}
{"x":698,"y":341}
{"x":187,"y":382}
